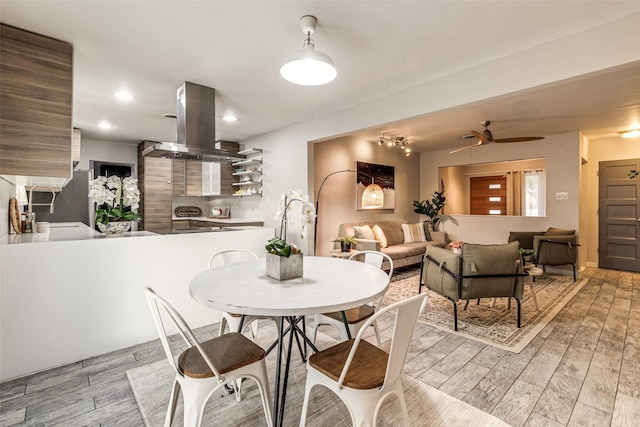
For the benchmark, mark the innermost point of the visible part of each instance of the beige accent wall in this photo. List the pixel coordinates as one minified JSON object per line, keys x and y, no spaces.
{"x":338,"y":197}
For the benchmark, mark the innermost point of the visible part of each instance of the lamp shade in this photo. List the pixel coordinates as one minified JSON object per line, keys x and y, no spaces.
{"x":372,"y":197}
{"x":308,"y":67}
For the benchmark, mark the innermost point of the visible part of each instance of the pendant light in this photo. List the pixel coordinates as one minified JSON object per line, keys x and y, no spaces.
{"x":372,"y":196}
{"x":308,"y":67}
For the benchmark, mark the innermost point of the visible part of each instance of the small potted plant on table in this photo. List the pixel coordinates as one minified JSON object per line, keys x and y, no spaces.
{"x":346,"y":242}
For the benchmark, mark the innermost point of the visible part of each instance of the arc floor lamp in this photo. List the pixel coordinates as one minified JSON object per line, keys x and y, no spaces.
{"x":372,"y":197}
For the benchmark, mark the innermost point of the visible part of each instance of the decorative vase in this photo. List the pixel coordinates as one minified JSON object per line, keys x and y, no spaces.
{"x":115,"y":228}
{"x":283,"y":268}
{"x":345,"y":247}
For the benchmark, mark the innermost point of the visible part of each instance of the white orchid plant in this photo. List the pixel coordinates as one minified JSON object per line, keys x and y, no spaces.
{"x":278,"y":245}
{"x":116,"y":193}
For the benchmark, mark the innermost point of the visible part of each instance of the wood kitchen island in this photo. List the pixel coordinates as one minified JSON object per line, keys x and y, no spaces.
{"x":84,"y":297}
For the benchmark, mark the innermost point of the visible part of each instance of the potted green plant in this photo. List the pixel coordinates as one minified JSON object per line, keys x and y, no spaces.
{"x":431,"y":208}
{"x":346,"y":242}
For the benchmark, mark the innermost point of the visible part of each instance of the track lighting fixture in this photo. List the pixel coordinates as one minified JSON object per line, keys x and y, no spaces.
{"x":395,"y":141}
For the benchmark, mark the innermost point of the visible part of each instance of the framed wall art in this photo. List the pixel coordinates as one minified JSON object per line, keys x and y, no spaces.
{"x":375,"y":186}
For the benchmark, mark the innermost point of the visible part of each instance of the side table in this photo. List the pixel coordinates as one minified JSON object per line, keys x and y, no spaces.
{"x":337,"y":253}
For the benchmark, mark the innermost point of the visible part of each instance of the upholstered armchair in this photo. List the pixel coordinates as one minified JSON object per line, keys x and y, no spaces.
{"x":481,"y":271}
{"x":552,"y":247}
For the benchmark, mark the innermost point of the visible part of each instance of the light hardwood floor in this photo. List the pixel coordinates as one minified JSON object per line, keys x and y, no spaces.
{"x":582,"y":369}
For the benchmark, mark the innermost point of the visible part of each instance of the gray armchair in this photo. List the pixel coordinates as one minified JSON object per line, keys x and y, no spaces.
{"x":552,"y":247}
{"x":481,"y":271}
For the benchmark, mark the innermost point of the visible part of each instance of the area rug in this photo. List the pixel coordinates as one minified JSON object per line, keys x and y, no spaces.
{"x":491,"y":325}
{"x":151,"y":385}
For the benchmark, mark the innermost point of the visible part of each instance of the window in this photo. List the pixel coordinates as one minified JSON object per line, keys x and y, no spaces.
{"x":533,"y":201}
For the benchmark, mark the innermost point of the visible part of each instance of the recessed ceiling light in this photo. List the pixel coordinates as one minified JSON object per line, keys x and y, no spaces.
{"x":105,"y":125}
{"x":229,"y":118}
{"x":124,"y":96}
{"x":634,"y":133}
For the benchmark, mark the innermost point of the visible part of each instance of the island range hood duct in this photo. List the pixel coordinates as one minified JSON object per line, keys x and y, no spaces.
{"x":196,"y":119}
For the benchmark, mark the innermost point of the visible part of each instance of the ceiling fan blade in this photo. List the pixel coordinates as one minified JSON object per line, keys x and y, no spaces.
{"x":520,"y":139}
{"x":479,"y":136}
{"x":467,"y":147}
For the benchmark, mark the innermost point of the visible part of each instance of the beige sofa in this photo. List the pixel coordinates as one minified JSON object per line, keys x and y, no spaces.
{"x":401,"y":253}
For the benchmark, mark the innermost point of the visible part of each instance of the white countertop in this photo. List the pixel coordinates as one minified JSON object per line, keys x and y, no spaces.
{"x":229,"y":221}
{"x":66,"y":231}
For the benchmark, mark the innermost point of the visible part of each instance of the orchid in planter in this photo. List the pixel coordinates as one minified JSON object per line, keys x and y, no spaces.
{"x":279,"y":245}
{"x":114,"y":194}
{"x":284,"y":260}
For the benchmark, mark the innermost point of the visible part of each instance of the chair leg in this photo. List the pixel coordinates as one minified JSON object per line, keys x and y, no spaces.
{"x":375,"y":328}
{"x":574,"y":272}
{"x":403,"y":403}
{"x":455,"y":314}
{"x":305,"y":404}
{"x":195,"y":398}
{"x":518,"y":312}
{"x":173,"y":402}
{"x":223,"y":324}
{"x":314,"y":329}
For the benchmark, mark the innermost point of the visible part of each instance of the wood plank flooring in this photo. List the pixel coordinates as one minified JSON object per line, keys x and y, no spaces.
{"x":582,"y":369}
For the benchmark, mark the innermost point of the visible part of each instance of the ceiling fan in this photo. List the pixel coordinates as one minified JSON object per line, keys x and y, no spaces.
{"x":486,"y":137}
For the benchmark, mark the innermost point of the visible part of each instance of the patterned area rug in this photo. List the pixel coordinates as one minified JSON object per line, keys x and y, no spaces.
{"x":491,"y":325}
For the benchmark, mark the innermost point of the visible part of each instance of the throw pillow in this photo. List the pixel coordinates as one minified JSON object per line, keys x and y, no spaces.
{"x":413,"y":233}
{"x":380,"y":237}
{"x":363,"y":232}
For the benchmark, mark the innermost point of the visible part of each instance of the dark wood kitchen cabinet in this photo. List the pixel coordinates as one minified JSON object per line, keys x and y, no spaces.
{"x":36,"y":96}
{"x":154,"y":182}
{"x":187,"y":177}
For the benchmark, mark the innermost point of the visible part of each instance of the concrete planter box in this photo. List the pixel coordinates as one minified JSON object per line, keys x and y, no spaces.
{"x":283,"y":268}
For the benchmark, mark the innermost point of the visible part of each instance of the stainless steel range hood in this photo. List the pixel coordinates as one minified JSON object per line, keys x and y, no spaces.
{"x":196,"y":120}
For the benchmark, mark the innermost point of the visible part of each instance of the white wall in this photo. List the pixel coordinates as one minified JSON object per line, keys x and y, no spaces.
{"x":66,"y":301}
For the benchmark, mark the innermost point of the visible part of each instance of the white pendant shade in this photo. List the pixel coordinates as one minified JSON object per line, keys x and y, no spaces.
{"x":308,"y":67}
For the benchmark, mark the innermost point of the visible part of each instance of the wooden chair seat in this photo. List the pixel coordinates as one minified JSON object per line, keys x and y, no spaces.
{"x":354,"y":315}
{"x":229,"y":352}
{"x":367,"y":368}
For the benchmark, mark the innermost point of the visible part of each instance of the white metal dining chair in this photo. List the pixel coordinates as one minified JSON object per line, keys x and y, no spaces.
{"x":358,"y":315}
{"x":369,"y":374}
{"x":205,"y":367}
{"x":233,"y":320}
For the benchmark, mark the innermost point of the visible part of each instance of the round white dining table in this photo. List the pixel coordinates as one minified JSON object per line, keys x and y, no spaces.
{"x":327,"y":285}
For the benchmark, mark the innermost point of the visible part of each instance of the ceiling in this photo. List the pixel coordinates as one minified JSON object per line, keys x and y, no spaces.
{"x":379,"y":48}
